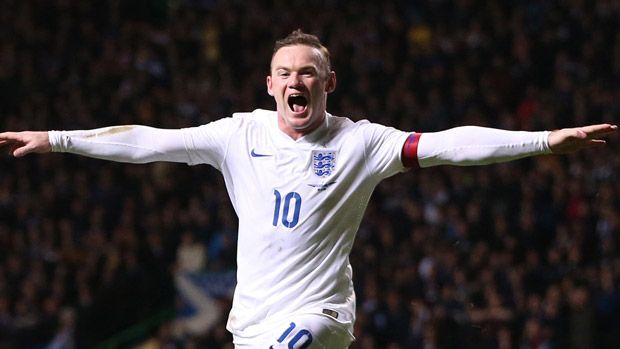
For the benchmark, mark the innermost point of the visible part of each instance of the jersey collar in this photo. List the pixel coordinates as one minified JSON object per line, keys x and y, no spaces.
{"x":311,"y":138}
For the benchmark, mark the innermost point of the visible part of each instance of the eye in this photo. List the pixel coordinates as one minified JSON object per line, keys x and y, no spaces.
{"x":309,"y":72}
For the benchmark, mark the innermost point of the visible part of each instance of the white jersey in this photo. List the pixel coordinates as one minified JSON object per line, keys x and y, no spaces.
{"x":299,"y":203}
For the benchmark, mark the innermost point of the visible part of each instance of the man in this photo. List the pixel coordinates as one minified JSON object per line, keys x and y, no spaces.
{"x":300,"y":179}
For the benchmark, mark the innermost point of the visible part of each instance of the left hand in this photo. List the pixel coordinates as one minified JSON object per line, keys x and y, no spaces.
{"x":25,"y":142}
{"x":568,"y":140}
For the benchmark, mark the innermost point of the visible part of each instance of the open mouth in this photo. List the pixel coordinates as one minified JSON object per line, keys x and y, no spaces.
{"x":297,"y":103}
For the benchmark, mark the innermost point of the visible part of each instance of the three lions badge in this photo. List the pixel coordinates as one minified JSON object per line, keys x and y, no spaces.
{"x":323,"y":162}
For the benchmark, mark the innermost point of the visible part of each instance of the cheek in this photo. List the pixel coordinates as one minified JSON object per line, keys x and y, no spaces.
{"x":272,"y":87}
{"x":318,"y":95}
{"x":276,"y":89}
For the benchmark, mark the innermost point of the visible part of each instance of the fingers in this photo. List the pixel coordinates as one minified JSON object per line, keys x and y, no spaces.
{"x":594,"y":131}
{"x":18,"y":152}
{"x":592,"y":143}
{"x":592,"y":134}
{"x":13,"y":148}
{"x":23,"y":143}
{"x":572,"y":139}
{"x":7,"y":138}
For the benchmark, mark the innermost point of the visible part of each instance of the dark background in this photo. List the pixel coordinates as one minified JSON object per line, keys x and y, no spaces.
{"x":517,"y":255}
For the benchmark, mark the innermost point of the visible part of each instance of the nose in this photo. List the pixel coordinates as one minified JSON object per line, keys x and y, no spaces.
{"x":295,"y":81}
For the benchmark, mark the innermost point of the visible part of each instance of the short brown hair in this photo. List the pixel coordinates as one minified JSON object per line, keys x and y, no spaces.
{"x":298,"y":37}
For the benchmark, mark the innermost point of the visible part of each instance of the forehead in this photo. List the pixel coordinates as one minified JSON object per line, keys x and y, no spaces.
{"x":296,"y":56}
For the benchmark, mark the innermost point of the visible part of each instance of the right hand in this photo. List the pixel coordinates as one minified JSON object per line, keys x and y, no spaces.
{"x":25,"y":142}
{"x":568,"y":140}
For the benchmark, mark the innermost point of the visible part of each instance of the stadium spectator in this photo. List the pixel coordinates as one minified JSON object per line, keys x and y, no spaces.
{"x":533,"y":65}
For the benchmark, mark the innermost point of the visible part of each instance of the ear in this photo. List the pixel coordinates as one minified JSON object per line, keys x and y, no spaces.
{"x":269,"y":86}
{"x":331,"y":82}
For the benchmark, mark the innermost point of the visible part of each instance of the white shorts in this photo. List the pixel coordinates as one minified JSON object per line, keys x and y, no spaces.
{"x":302,"y":331}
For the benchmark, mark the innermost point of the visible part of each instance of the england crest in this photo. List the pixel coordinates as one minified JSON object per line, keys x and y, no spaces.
{"x":323,"y":162}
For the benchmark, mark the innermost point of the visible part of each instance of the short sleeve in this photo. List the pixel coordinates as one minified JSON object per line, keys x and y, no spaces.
{"x":208,"y":144}
{"x":383,"y":149}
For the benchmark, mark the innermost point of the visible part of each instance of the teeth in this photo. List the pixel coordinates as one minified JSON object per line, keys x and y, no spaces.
{"x":297,"y":102}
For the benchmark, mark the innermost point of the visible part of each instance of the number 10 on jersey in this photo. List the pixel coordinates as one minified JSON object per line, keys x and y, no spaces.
{"x":287,"y":221}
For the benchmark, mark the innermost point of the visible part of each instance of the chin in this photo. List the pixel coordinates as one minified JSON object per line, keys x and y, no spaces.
{"x":299,"y":121}
{"x":300,"y":126}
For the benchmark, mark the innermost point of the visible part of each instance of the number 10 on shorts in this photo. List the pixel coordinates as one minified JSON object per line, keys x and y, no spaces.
{"x":301,"y":340}
{"x":290,"y":215}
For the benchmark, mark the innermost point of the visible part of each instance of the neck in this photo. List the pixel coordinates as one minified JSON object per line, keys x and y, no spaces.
{"x":296,"y":133}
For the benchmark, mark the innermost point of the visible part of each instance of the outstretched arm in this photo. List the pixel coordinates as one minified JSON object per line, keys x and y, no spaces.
{"x":135,"y":144}
{"x":472,"y":145}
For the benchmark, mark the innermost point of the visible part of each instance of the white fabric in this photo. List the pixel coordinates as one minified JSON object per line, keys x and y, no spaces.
{"x":282,"y":270}
{"x":129,"y":143}
{"x":473,"y":145}
{"x":296,"y":223}
{"x":316,"y":331}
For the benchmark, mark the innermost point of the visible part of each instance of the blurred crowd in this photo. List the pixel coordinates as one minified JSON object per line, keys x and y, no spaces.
{"x":518,"y":255}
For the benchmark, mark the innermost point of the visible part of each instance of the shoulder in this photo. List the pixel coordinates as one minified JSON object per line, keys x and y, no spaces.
{"x":240,"y":121}
{"x":257,"y":116}
{"x":341,"y":124}
{"x":369,"y":135}
{"x":345,"y":125}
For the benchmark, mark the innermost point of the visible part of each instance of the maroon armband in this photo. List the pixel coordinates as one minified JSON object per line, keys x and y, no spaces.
{"x":410,"y":151}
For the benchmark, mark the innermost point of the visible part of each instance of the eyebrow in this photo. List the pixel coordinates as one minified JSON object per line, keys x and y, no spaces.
{"x":304,"y":68}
